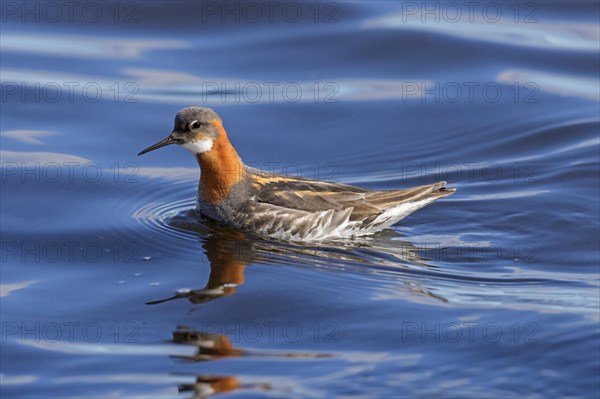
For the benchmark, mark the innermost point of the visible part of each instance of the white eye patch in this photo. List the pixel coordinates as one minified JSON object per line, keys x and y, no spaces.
{"x":198,"y":146}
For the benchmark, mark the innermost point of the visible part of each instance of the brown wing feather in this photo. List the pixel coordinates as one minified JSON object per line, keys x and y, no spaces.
{"x":315,"y":196}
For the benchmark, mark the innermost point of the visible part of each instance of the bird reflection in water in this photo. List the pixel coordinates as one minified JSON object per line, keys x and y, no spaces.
{"x":215,"y":347}
{"x":207,"y":385}
{"x":229,"y":252}
{"x":210,"y":347}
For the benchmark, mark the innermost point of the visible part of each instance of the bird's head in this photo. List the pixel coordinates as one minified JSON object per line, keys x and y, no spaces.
{"x":196,"y":129}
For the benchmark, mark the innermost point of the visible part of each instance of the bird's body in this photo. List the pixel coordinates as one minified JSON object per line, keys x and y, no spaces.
{"x":302,"y":209}
{"x":280,"y":206}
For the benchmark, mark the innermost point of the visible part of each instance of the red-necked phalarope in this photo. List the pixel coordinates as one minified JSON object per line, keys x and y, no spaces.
{"x":280,"y":206}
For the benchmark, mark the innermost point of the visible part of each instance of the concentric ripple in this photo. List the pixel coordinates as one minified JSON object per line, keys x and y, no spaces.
{"x":163,"y":217}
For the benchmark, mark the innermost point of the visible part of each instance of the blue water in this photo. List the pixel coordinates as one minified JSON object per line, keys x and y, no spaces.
{"x":112,"y":286}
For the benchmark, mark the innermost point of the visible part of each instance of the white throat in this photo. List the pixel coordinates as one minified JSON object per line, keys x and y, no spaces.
{"x":198,"y":146}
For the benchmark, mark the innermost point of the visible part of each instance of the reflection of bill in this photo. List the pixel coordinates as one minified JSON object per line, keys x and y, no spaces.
{"x":230,"y":251}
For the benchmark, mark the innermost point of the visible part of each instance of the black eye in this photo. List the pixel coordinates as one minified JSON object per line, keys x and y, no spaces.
{"x":196,"y":125}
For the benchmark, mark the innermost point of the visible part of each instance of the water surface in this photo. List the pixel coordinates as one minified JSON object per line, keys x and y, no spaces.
{"x":112,"y":286}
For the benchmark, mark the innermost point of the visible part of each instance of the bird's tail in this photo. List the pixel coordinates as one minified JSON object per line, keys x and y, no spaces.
{"x":392,"y":198}
{"x":397,"y":204}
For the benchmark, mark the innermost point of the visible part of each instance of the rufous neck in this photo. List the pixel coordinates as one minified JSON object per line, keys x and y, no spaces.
{"x":221,"y":168}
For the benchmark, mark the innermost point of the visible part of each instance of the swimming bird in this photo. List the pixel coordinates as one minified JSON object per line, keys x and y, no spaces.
{"x":279,"y":206}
